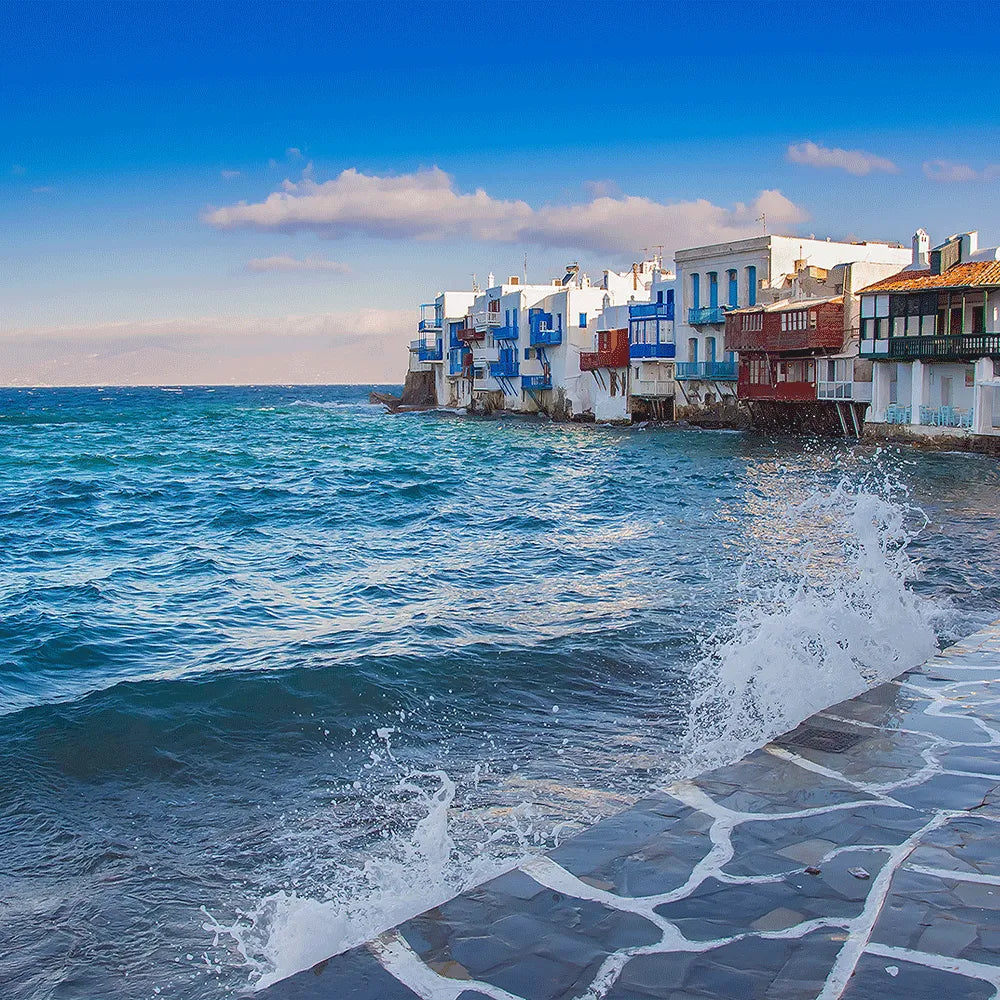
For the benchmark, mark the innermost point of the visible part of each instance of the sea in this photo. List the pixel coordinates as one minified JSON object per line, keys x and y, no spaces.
{"x":279,"y":669}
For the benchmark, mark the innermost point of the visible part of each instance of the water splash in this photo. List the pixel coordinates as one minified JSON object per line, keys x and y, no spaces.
{"x":288,"y":931}
{"x":828,"y":612}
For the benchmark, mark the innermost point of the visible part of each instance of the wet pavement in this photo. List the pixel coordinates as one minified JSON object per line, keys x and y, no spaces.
{"x":856,"y":857}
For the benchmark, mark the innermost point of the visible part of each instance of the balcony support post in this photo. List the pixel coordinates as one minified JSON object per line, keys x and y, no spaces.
{"x":920,"y":376}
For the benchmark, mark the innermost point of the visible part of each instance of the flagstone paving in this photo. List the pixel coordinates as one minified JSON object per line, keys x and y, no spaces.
{"x":856,"y":857}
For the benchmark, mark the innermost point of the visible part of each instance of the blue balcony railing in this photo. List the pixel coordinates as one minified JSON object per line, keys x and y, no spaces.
{"x":506,"y":333}
{"x":717,"y":371}
{"x":536,"y":381}
{"x":706,"y":314}
{"x":542,"y":330}
{"x":504,"y":369}
{"x":545,"y":335}
{"x":430,"y":317}
{"x":652,"y":350}
{"x":651,"y":310}
{"x":430,"y":352}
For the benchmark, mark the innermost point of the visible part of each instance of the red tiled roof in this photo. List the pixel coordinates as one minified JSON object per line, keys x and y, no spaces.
{"x":971,"y":274}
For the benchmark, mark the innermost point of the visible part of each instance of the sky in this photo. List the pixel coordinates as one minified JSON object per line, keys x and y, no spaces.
{"x":226,"y":193}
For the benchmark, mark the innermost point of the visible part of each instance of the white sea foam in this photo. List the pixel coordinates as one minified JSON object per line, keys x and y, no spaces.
{"x":288,"y":932}
{"x":824,"y":612}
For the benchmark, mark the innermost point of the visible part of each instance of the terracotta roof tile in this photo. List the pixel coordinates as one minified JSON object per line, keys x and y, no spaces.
{"x":972,"y":274}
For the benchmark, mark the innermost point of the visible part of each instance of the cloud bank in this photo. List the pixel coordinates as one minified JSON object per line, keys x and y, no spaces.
{"x":426,"y":206}
{"x":363,"y":346}
{"x":854,"y":161}
{"x":949,"y":172}
{"x":285,"y":265}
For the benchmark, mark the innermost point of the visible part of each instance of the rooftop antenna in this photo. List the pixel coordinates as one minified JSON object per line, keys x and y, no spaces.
{"x":525,"y":266}
{"x":475,"y":284}
{"x":762,"y":219}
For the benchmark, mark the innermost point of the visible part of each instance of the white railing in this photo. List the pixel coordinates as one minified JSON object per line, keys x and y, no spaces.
{"x":858,"y":392}
{"x":653,"y":388}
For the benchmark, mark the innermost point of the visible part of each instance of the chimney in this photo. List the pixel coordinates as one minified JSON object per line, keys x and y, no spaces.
{"x":970,"y":244}
{"x":489,"y":280}
{"x":921,"y":251}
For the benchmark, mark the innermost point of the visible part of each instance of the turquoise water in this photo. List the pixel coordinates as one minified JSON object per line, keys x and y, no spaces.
{"x":234,"y":621}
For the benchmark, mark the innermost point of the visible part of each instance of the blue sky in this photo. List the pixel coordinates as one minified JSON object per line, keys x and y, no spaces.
{"x":132,"y":132}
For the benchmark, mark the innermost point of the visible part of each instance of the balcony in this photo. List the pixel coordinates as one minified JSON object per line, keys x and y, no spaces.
{"x":536,"y":381}
{"x":778,"y":392}
{"x":542,"y":332}
{"x":647,"y":388}
{"x":713,"y":371}
{"x":951,"y":347}
{"x":485,"y":320}
{"x":427,"y":351}
{"x":545,"y":336}
{"x":504,"y":369}
{"x":506,"y":333}
{"x":651,"y":310}
{"x":430,"y":318}
{"x":706,"y":314}
{"x":469,"y":334}
{"x":652,"y":351}
{"x":614,"y":357}
{"x":858,"y":392}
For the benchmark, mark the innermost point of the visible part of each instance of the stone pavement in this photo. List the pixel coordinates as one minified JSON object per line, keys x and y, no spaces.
{"x":856,"y":857}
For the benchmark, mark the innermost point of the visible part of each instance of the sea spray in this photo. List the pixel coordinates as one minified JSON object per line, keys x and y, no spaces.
{"x":288,"y":932}
{"x":825,"y":611}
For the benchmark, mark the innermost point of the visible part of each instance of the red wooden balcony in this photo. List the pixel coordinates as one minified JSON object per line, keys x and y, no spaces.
{"x":468,"y":334}
{"x":612,"y":351}
{"x":801,"y":326}
{"x":779,"y":392}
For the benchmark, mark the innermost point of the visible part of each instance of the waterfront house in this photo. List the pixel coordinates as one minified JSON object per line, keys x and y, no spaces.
{"x":719,"y":278}
{"x":437,"y":348}
{"x":933,"y":333}
{"x":798,"y":367}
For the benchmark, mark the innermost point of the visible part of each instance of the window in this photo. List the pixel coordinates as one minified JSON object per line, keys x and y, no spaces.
{"x":733,"y":289}
{"x":751,"y":286}
{"x":583,"y":321}
{"x":695,"y":291}
{"x":797,"y":320}
{"x":710,"y":349}
{"x":752,"y":321}
{"x":970,"y":376}
{"x":659,"y":297}
{"x":978,"y":319}
{"x":693,"y":350}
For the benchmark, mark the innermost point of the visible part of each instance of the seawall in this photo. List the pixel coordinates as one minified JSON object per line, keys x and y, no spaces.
{"x":854,"y":857}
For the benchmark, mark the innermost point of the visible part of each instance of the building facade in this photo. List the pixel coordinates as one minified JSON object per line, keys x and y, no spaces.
{"x":719,"y":278}
{"x":932,"y":332}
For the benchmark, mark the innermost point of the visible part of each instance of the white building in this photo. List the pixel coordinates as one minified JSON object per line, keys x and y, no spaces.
{"x":526,"y":342}
{"x":715,"y":279}
{"x":933,"y":331}
{"x":437,"y":350}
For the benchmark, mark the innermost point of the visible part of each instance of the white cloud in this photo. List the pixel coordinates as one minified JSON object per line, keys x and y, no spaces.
{"x":425,"y":205}
{"x":43,"y":189}
{"x":293,"y":152}
{"x":854,"y":161}
{"x":17,"y":170}
{"x":949,"y":172}
{"x":367,"y":345}
{"x":229,"y":175}
{"x":285,"y":264}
